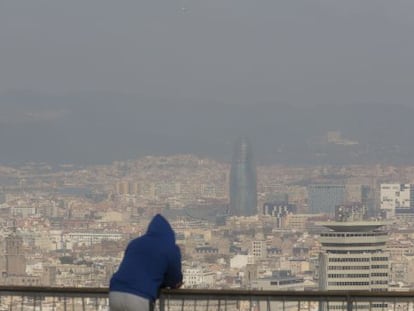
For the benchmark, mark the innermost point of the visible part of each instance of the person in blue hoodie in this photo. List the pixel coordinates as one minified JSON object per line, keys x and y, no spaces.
{"x":151,"y":262}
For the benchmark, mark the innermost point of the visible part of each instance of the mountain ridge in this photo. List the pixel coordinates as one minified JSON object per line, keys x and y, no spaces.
{"x":100,"y":128}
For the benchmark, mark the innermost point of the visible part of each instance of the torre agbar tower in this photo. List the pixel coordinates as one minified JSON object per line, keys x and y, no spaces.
{"x":353,"y":257}
{"x":243,"y":189}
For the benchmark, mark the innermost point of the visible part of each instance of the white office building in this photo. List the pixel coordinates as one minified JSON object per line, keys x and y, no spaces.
{"x":89,"y":238}
{"x":397,"y":199}
{"x":198,"y":277}
{"x":353,"y":258}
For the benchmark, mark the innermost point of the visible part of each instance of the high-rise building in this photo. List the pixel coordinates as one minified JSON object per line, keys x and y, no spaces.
{"x":324,"y":197}
{"x":243,"y":188}
{"x":353,"y":257}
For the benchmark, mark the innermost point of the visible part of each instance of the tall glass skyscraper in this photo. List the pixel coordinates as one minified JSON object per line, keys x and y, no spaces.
{"x":243,"y":189}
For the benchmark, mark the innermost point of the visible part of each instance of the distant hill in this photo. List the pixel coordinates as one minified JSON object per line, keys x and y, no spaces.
{"x":99,"y":128}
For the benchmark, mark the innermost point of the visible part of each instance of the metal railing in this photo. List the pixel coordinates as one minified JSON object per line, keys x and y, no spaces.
{"x":52,"y":298}
{"x":242,"y":300}
{"x":73,"y":299}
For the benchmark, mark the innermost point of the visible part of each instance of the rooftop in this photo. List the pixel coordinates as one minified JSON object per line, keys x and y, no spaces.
{"x":353,"y":226}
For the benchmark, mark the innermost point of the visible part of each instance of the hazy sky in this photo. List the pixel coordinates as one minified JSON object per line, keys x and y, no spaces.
{"x":310,"y":51}
{"x":98,"y":80}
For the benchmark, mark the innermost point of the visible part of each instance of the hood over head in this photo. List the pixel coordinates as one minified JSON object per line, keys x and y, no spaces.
{"x":159,"y":226}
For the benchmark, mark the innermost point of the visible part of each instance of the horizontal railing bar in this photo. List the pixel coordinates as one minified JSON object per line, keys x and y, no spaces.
{"x":202,"y":294}
{"x":54,"y":291}
{"x":295,"y":295}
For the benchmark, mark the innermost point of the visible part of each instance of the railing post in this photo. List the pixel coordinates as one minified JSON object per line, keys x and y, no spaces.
{"x":348,"y":303}
{"x":162,"y":303}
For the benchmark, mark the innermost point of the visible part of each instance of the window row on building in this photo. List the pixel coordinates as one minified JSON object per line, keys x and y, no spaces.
{"x":348,"y":259}
{"x":346,"y":235}
{"x":354,"y":244}
{"x":348,"y":283}
{"x":349,"y":275}
{"x":287,"y":282}
{"x":380,"y":282}
{"x":379,"y":274}
{"x":348,"y":268}
{"x":379,"y":266}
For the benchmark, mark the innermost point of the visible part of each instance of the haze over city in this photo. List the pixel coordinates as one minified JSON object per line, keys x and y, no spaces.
{"x":93,"y":82}
{"x":274,"y":137}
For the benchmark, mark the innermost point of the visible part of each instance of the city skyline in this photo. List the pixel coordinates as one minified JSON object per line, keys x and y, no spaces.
{"x":74,"y":223}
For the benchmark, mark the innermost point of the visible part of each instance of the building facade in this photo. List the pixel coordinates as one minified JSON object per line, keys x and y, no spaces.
{"x":353,"y":258}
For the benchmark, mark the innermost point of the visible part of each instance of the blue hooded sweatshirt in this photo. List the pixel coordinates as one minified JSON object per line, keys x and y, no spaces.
{"x":150,"y":262}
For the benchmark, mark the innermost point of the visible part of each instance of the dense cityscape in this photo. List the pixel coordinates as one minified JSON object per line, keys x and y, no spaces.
{"x":188,"y":155}
{"x":238,"y":224}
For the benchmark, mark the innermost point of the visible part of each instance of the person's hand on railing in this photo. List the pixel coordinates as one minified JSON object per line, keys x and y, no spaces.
{"x":178,"y":285}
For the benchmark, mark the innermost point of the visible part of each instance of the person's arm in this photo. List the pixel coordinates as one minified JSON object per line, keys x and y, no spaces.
{"x":173,"y":277}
